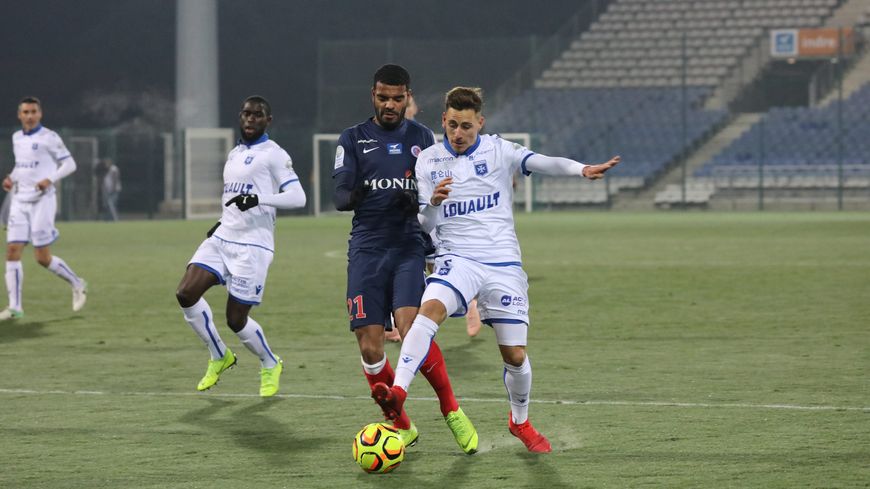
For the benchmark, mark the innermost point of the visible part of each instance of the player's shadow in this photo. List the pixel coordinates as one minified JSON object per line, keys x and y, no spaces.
{"x":252,"y":427}
{"x":468,"y":356}
{"x":11,"y":331}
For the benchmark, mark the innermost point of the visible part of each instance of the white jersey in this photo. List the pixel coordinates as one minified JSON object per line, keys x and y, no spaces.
{"x":476,"y":221}
{"x":263,"y":168}
{"x":38,"y":153}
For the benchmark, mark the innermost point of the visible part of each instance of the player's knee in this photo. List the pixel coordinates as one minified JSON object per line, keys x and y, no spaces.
{"x":513,"y":355}
{"x":186,"y":297}
{"x":371,"y":354}
{"x":45,"y":262}
{"x":237,"y":322}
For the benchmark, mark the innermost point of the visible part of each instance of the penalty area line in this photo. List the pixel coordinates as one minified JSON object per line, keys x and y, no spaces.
{"x":567,"y":402}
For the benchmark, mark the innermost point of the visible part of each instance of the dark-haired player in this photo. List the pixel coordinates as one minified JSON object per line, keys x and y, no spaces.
{"x":258,"y":178}
{"x":374,"y":177}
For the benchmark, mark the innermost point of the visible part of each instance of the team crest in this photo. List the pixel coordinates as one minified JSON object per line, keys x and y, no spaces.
{"x":394,"y":148}
{"x":35,"y":146}
{"x":415,"y":151}
{"x":248,"y":160}
{"x":480,"y":168}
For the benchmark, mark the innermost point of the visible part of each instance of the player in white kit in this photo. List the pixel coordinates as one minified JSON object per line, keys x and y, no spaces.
{"x":41,"y":159}
{"x":258,"y":178}
{"x":465,"y":188}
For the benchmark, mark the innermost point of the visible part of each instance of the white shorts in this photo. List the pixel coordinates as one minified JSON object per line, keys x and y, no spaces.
{"x":33,"y":221}
{"x":242,"y":268}
{"x":502,"y":291}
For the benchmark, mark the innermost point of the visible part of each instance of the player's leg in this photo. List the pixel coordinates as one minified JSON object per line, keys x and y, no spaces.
{"x":206,"y":269}
{"x":408,"y":286}
{"x":368,"y":292}
{"x":43,"y":234}
{"x":472,"y":319}
{"x":14,"y":280}
{"x":505,"y":305}
{"x":248,"y":268}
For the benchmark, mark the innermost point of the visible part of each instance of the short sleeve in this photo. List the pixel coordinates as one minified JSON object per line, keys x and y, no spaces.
{"x":516,"y":154}
{"x":281,"y":167}
{"x":57,"y":149}
{"x":345,"y":157}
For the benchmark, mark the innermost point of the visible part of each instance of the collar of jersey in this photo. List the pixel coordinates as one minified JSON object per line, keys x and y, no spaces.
{"x":32,"y":131}
{"x":261,"y":139}
{"x":467,"y":152}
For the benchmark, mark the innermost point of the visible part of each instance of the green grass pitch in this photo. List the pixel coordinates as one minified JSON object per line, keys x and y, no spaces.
{"x":670,"y":350}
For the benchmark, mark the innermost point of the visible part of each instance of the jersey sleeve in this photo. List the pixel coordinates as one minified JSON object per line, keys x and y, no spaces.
{"x":281,"y":167}
{"x":516,"y":155}
{"x":425,"y":185}
{"x":345,"y":157}
{"x":57,"y":149}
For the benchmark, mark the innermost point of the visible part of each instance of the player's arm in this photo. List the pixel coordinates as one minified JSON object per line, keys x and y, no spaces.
{"x":347,"y":193}
{"x":65,"y":161}
{"x":555,"y":165}
{"x":290,"y":194}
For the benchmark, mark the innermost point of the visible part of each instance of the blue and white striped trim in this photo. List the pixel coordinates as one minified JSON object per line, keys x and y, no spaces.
{"x":491,"y":321}
{"x":210,"y":269}
{"x":526,"y":171}
{"x":56,"y":235}
{"x":243,"y":301}
{"x":288,"y":182}
{"x":210,"y":335}
{"x":430,"y":279}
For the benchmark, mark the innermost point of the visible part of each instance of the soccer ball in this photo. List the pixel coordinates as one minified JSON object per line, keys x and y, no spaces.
{"x":378,"y":448}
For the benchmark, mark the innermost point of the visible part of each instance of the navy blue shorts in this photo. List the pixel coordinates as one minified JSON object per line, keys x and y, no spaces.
{"x":381,"y":280}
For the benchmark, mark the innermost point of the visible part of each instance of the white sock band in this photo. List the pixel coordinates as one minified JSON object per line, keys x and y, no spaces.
{"x":518,"y":383}
{"x":199,"y":317}
{"x":415,"y":347}
{"x":14,"y":284}
{"x":254,"y":339}
{"x":62,"y":270}
{"x":374,"y":368}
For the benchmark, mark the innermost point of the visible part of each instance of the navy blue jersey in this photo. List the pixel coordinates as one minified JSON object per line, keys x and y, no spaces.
{"x":385,"y":161}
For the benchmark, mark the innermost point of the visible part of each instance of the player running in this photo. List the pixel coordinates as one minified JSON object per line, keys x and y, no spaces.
{"x":258,"y":178}
{"x":465,"y":186}
{"x":41,"y":159}
{"x":374,"y":177}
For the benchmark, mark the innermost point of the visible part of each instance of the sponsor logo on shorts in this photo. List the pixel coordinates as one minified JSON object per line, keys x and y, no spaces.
{"x":518,"y":301}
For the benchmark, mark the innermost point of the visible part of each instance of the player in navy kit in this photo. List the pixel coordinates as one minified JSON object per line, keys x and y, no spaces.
{"x":374,"y":177}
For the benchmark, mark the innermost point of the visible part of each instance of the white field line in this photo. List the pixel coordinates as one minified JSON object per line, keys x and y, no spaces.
{"x":568,"y":402}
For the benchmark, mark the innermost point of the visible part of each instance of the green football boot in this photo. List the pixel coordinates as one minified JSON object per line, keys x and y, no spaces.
{"x":215,"y":369}
{"x":8,"y":313}
{"x":270,"y":379}
{"x":409,"y":436}
{"x":463,"y":430}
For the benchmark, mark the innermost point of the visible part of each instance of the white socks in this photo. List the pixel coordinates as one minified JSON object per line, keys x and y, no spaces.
{"x":376,"y":368}
{"x":518,"y":383}
{"x":199,"y":317}
{"x":252,"y":337}
{"x":14,"y":282}
{"x":62,"y":270}
{"x":415,"y":347}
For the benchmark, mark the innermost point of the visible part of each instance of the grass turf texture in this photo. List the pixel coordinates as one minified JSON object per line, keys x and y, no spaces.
{"x":669,"y":350}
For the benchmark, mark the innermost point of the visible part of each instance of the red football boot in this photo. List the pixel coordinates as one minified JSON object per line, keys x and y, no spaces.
{"x":391,"y":399}
{"x":534,"y":441}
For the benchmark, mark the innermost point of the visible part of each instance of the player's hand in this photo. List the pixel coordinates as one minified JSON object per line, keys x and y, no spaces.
{"x":594,"y":172}
{"x":244,"y":201}
{"x":212,"y":230}
{"x":7,"y":183}
{"x":43,"y":184}
{"x":406,"y":202}
{"x":441,"y":191}
{"x":358,"y":194}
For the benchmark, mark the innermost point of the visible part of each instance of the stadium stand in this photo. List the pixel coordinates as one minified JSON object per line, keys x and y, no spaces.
{"x":798,"y":147}
{"x":640,"y":43}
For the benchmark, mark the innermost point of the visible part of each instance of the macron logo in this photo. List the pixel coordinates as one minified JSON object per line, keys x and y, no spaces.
{"x":406,"y":359}
{"x":259,"y":289}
